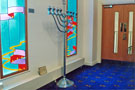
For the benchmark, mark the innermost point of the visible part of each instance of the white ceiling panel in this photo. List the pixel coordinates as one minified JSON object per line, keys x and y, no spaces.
{"x":117,"y":1}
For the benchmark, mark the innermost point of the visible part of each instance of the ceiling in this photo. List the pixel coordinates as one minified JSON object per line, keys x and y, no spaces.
{"x":117,"y":1}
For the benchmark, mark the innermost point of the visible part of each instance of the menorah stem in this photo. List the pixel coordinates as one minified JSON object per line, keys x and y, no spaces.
{"x":64,"y":2}
{"x":64,"y":55}
{"x":64,"y":5}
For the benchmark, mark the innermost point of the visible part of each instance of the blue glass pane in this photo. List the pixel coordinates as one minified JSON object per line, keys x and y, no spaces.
{"x":72,"y":5}
{"x":72,"y":29}
{"x":17,"y":3}
{"x":14,"y":30}
{"x":0,"y":8}
{"x":4,"y":6}
{"x":10,"y":66}
{"x":5,"y":38}
{"x":13,"y":41}
{"x":22,"y":27}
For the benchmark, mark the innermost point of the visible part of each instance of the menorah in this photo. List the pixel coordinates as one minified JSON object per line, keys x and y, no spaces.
{"x":60,"y":17}
{"x":61,"y":20}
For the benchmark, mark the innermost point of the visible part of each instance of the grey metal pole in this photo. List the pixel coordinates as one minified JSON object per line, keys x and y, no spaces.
{"x":64,"y":62}
{"x":64,"y":56}
{"x":64,"y":82}
{"x":64,"y":3}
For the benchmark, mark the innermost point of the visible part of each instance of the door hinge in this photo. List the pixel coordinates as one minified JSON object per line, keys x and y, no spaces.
{"x":108,"y":6}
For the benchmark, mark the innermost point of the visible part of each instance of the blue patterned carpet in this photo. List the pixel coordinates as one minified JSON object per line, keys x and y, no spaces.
{"x":110,"y":75}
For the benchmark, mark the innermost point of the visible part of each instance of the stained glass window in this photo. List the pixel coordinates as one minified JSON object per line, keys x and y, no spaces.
{"x":13,"y":37}
{"x":72,"y":29}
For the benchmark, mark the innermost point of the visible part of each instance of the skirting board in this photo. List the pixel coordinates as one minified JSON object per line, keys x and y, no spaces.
{"x":49,"y":77}
{"x":94,"y":62}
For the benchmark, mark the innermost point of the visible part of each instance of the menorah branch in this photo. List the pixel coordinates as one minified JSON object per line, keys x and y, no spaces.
{"x":60,"y":22}
{"x":57,"y":24}
{"x":62,"y":19}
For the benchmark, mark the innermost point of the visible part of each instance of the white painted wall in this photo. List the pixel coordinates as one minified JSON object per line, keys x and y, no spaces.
{"x":45,"y":43}
{"x":97,"y":31}
{"x":88,"y":16}
{"x":92,"y":26}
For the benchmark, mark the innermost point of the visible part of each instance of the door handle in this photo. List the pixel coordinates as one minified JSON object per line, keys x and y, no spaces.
{"x":125,"y":27}
{"x":121,"y":27}
{"x":124,"y":36}
{"x":130,"y":47}
{"x":130,"y":50}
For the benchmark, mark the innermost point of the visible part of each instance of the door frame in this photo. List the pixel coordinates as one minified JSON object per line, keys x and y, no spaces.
{"x":100,"y":32}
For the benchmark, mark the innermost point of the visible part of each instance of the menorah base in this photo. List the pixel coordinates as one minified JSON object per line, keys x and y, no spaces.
{"x":64,"y":83}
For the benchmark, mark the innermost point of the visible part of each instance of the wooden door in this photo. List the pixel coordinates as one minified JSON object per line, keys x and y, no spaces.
{"x":129,"y":21}
{"x":115,"y":33}
{"x":108,"y":33}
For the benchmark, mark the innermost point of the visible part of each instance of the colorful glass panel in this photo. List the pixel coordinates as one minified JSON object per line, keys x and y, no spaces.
{"x":72,"y":29}
{"x":13,"y":36}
